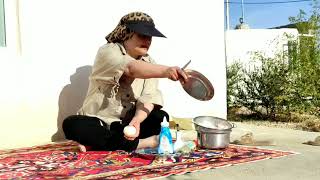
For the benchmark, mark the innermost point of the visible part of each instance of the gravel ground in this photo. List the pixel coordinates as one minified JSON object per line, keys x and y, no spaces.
{"x":305,"y":122}
{"x":302,"y":166}
{"x":296,"y":126}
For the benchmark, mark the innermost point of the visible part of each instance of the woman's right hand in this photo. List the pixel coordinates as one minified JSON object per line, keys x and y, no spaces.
{"x":176,"y":73}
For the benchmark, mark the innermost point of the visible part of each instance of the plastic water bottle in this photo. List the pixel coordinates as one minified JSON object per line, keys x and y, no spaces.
{"x":179,"y":143}
{"x":165,"y":139}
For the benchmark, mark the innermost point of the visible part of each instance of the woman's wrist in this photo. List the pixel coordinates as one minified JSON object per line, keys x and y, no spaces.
{"x":137,"y":119}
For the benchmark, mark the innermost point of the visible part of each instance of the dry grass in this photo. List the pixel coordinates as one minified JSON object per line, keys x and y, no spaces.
{"x":311,"y":125}
{"x":293,"y":121}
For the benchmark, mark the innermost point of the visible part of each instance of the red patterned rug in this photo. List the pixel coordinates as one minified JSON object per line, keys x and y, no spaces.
{"x":63,"y":160}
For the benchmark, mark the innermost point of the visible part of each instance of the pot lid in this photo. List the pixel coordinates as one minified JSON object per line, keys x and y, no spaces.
{"x":198,"y":86}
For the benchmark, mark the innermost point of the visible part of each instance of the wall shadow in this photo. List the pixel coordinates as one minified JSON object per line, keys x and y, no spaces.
{"x":71,"y":98}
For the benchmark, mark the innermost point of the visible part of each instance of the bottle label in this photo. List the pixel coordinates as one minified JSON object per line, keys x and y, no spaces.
{"x":165,"y":144}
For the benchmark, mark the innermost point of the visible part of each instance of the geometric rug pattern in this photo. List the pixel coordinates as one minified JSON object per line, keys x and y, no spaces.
{"x":63,"y":160}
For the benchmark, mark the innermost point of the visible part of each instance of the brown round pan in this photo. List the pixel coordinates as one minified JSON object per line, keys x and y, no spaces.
{"x":198,"y":86}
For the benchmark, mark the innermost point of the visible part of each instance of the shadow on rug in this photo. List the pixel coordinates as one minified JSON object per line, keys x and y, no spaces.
{"x":63,"y":160}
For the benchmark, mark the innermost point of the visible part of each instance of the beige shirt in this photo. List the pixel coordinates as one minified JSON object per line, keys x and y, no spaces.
{"x":110,"y":95}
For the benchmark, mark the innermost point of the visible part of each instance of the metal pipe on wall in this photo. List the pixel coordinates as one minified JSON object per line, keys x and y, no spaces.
{"x":227,"y":15}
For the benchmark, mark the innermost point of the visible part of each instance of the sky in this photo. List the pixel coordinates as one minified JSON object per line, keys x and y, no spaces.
{"x":260,"y":16}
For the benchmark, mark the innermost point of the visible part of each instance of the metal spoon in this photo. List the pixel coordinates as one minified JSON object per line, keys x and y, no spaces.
{"x":185,"y":66}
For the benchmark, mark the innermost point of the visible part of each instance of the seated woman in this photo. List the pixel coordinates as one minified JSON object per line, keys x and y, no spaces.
{"x":123,"y":91}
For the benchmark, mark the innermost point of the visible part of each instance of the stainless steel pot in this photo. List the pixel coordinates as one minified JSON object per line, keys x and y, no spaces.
{"x":213,"y":132}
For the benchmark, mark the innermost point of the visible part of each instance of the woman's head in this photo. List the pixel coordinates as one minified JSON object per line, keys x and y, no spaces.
{"x":135,"y":28}
{"x":137,"y":45}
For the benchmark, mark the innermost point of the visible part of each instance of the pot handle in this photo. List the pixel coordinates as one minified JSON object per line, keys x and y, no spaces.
{"x":234,"y":125}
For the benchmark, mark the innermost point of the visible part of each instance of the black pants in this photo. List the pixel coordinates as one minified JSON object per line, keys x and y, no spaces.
{"x":88,"y":131}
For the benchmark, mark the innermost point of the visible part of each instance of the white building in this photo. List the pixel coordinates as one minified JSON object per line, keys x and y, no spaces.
{"x":51,"y":45}
{"x":242,"y":44}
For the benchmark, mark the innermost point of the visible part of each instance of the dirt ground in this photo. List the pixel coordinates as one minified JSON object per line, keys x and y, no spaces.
{"x":303,"y":166}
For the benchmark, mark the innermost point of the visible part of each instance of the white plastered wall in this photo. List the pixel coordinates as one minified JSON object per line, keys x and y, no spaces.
{"x":243,"y":43}
{"x":46,"y":80}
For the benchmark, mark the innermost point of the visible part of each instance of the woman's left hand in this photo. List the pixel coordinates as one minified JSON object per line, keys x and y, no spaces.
{"x":135,"y":123}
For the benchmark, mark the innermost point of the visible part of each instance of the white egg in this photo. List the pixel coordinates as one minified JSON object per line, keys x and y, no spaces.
{"x":129,"y":131}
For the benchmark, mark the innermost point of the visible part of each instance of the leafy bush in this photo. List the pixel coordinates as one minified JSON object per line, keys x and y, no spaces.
{"x":264,"y":86}
{"x":305,"y":64}
{"x":233,"y":77}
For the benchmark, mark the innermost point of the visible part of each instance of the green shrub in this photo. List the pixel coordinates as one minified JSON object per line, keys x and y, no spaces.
{"x":233,"y":77}
{"x":264,"y":86}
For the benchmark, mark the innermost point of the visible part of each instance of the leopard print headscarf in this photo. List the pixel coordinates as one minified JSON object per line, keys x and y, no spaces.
{"x":121,"y":32}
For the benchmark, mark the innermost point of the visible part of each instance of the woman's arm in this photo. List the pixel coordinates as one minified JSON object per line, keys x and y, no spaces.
{"x":145,"y":70}
{"x":142,"y":112}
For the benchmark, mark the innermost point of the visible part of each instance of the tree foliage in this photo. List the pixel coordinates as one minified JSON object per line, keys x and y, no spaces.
{"x":233,"y":77}
{"x":305,"y":64}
